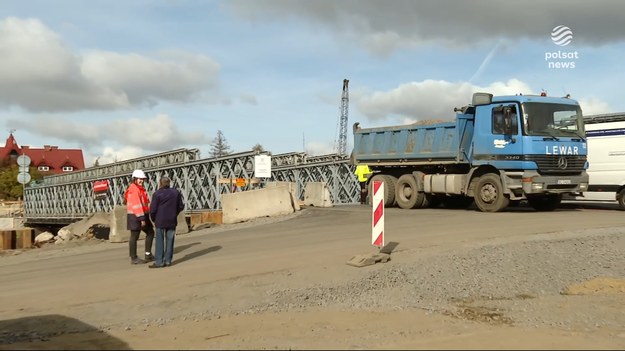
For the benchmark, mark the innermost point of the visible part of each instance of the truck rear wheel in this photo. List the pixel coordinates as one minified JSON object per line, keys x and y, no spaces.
{"x":489,"y":195}
{"x":621,"y":199}
{"x":389,"y":189}
{"x":406,"y":193}
{"x":545,"y":202}
{"x":392,"y":183}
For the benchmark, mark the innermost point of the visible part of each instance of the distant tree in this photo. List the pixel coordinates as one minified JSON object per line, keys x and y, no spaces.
{"x":219,"y":146}
{"x":10,"y":188}
{"x":258,"y":148}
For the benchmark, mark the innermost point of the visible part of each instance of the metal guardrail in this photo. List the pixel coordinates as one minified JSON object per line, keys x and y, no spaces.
{"x":602,"y":118}
{"x":123,"y":167}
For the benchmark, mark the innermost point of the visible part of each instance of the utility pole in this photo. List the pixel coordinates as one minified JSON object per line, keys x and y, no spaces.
{"x":342,"y":140}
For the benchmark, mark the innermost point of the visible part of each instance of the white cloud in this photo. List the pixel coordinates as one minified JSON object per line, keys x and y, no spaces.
{"x":40,"y":74}
{"x":156,"y":134}
{"x":594,"y":106}
{"x":316,"y":148}
{"x":110,"y":155}
{"x":429,"y":99}
{"x":175,"y":76}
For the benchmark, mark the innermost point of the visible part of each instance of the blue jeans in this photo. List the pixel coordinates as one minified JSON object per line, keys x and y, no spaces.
{"x":164,"y":255}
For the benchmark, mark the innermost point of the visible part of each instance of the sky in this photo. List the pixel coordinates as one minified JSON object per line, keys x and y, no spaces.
{"x":124,"y":79}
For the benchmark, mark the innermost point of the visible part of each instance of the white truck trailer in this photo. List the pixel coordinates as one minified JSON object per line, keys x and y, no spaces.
{"x":606,"y":159}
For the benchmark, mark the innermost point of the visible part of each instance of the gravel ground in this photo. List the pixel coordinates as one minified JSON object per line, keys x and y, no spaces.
{"x":514,"y":283}
{"x":518,"y":283}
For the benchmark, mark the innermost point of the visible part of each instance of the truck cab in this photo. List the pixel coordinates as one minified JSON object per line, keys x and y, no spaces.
{"x":538,"y":144}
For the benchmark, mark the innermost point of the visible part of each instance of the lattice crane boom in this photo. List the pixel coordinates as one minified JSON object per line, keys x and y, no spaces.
{"x":342,"y":139}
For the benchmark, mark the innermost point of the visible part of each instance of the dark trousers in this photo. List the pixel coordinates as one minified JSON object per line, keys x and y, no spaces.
{"x":363,"y":192}
{"x":134,"y":236}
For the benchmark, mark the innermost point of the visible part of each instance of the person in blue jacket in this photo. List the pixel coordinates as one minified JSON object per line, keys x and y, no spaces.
{"x":164,"y":209}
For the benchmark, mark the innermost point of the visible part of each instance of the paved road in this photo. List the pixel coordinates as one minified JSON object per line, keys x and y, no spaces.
{"x":96,"y":284}
{"x":314,"y":238}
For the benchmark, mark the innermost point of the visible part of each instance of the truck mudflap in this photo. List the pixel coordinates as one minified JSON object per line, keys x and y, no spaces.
{"x":531,"y":182}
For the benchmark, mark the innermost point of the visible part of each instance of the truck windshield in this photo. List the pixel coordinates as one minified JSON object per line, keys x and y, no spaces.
{"x":552,"y":120}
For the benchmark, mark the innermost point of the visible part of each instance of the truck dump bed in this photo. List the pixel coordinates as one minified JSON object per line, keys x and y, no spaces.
{"x":412,"y":143}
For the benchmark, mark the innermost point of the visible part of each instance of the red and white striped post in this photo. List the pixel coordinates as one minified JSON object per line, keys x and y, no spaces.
{"x":377,"y":223}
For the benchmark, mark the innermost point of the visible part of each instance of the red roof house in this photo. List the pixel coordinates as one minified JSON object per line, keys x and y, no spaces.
{"x":47,"y":159}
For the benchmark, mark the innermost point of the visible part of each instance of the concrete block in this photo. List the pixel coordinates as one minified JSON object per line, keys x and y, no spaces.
{"x":292,"y":189}
{"x":117,"y":223}
{"x":317,"y":194}
{"x":292,"y":186}
{"x":246,"y":205}
{"x":182,"y":227}
{"x":368,"y":260}
{"x":6,"y":223}
{"x":295,"y":202}
{"x":7,"y":239}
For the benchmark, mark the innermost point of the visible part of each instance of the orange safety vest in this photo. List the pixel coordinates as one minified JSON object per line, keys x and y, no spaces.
{"x":137,"y":200}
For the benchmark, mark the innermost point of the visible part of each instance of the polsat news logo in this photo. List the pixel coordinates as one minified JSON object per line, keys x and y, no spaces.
{"x":561,"y":36}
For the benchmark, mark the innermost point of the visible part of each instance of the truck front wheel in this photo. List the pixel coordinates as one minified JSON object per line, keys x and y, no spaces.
{"x":489,"y":195}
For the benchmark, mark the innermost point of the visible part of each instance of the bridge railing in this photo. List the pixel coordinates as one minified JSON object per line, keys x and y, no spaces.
{"x":201,"y":182}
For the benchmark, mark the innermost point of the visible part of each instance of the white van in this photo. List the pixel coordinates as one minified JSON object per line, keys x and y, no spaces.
{"x":606,"y":158}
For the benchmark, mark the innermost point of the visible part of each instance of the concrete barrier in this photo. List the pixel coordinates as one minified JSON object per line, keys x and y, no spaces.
{"x":11,"y":223}
{"x":292,"y":189}
{"x":317,"y":194}
{"x":118,"y":224}
{"x":6,"y":223}
{"x":246,"y":205}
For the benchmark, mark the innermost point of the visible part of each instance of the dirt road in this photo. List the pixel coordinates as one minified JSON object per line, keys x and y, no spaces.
{"x":458,"y":279}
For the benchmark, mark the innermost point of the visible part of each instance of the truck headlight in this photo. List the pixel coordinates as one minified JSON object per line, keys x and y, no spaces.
{"x":583,"y":187}
{"x":537,"y":186}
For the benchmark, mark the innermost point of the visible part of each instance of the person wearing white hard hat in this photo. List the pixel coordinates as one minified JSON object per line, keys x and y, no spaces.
{"x":138,"y":217}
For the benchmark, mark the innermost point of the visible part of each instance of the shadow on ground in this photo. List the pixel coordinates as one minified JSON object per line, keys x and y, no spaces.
{"x":55,"y":332}
{"x":196,"y":254}
{"x":181,"y":248}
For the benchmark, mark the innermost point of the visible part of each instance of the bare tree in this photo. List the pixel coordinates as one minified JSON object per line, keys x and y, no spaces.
{"x":219,"y":146}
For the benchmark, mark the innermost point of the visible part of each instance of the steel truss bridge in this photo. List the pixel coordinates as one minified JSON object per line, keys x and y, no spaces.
{"x":65,"y":198}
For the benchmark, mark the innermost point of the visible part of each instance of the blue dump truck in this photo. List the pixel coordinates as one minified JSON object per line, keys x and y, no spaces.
{"x":498,"y":151}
